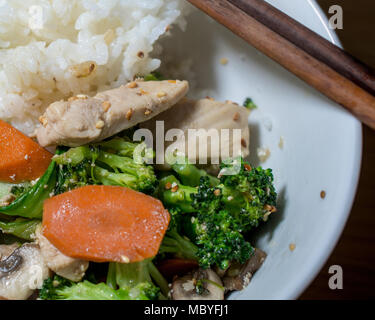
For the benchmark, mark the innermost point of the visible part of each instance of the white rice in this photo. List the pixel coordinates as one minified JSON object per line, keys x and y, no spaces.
{"x":44,"y":42}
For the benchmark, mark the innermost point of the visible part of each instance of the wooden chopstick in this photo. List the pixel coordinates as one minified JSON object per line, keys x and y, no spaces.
{"x":309,"y":41}
{"x":325,"y":76}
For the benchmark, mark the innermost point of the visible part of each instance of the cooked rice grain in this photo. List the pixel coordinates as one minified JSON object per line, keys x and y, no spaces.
{"x":53,"y":49}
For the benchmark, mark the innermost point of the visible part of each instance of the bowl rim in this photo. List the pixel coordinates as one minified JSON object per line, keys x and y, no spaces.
{"x":320,"y":260}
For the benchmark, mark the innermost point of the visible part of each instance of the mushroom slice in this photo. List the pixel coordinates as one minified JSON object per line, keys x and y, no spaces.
{"x":22,"y":272}
{"x":83,"y":119}
{"x":7,"y":249}
{"x":64,"y":266}
{"x":238,"y":276}
{"x":202,"y":284}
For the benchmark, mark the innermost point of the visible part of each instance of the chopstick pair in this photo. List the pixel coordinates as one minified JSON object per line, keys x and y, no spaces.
{"x":312,"y":58}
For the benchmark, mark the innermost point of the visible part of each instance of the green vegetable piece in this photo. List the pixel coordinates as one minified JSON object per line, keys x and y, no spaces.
{"x":217,"y":218}
{"x":190,"y":175}
{"x":249,"y":104}
{"x":21,"y":228}
{"x":175,"y":243}
{"x":154,"y":76}
{"x":58,"y":288}
{"x":30,"y":204}
{"x":132,"y":275}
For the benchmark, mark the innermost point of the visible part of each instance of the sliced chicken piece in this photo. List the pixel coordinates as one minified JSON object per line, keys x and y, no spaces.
{"x":64,"y":266}
{"x":204,"y":114}
{"x":83,"y":119}
{"x":22,"y":272}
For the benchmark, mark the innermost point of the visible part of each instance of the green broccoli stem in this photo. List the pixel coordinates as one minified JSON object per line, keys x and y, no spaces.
{"x":21,"y":228}
{"x":190,"y":175}
{"x":126,"y":275}
{"x":158,"y":279}
{"x":121,"y":146}
{"x":173,"y":193}
{"x":74,"y":156}
{"x":115,"y":179}
{"x":178,"y":245}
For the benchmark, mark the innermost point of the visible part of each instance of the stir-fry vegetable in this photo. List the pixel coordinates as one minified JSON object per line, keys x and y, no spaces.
{"x":21,"y":228}
{"x":30,"y":203}
{"x":105,"y":223}
{"x":217,"y":217}
{"x":58,"y":288}
{"x":110,"y":163}
{"x":135,"y":275}
{"x":21,"y":159}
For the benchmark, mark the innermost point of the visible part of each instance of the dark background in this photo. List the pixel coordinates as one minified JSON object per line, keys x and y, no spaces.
{"x":355,"y":252}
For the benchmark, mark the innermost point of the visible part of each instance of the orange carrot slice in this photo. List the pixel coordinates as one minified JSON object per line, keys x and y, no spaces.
{"x":105,"y":223}
{"x":21,"y":159}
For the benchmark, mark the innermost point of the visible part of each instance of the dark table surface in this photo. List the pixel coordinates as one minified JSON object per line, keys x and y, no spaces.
{"x":355,"y":251}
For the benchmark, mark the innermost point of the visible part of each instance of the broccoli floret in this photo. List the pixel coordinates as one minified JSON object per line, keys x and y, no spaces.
{"x":249,"y":195}
{"x":113,"y":162}
{"x":216,"y":218}
{"x":19,"y":190}
{"x":58,"y":288}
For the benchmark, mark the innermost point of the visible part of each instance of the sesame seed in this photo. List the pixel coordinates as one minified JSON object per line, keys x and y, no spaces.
{"x":43,"y":120}
{"x":129,"y":114}
{"x":99,"y":124}
{"x":292,"y":246}
{"x":148,"y":112}
{"x":125,"y":259}
{"x":230,"y":198}
{"x":322,"y":194}
{"x":270,"y":208}
{"x":224,"y":61}
{"x":168,"y":186}
{"x":174,"y":187}
{"x":72,"y":99}
{"x":132,"y":85}
{"x":161,"y":94}
{"x":263,"y":154}
{"x":106,"y":105}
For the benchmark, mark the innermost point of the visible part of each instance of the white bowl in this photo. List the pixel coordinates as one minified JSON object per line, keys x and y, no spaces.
{"x":322,"y":147}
